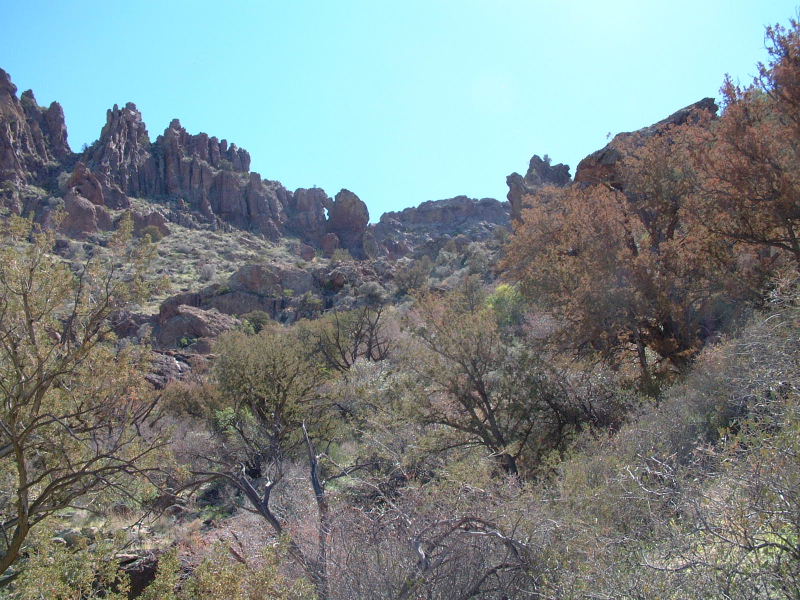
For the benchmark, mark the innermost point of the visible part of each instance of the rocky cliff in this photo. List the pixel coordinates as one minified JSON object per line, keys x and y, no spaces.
{"x":201,"y":174}
{"x":200,"y":180}
{"x":540,"y":172}
{"x":33,"y":139}
{"x":197,"y":179}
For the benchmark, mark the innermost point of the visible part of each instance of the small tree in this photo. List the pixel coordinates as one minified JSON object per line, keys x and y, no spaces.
{"x":271,"y":389}
{"x":630,"y":270}
{"x":341,"y":338}
{"x":71,"y":403}
{"x":484,"y":389}
{"x":750,"y":191}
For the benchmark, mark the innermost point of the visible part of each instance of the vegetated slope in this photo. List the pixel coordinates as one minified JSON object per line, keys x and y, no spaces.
{"x":617,"y":419}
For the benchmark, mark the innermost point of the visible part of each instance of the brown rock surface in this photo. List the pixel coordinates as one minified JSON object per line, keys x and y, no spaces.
{"x":122,"y":155}
{"x":257,"y":279}
{"x":208,"y":176}
{"x":32,"y":138}
{"x":399,"y":233}
{"x":306,"y":214}
{"x":329,"y":243}
{"x":86,"y":184}
{"x":152,"y":218}
{"x":189,"y":323}
{"x":82,"y":217}
{"x":348,"y":219}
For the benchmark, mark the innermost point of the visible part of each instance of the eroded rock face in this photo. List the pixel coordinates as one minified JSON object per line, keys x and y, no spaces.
{"x":84,"y":182}
{"x":348,"y":219}
{"x":186,"y":324}
{"x":306,"y":214}
{"x":399,"y":233}
{"x":602,"y":166}
{"x":122,"y":156}
{"x":540,"y":172}
{"x":32,"y":138}
{"x":204,"y":179}
{"x":210,"y":177}
{"x":82,"y":217}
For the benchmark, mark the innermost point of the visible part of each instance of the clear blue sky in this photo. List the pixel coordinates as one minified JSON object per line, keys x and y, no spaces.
{"x":400,"y":101}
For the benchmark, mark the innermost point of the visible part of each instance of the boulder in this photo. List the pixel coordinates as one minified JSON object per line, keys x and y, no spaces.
{"x":82,"y":218}
{"x":306,"y":252}
{"x":348,"y":219}
{"x":151,"y":218}
{"x":189,"y":324}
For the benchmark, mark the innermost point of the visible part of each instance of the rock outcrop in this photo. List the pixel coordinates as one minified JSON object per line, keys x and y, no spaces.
{"x":32,"y":138}
{"x":200,"y":178}
{"x":399,"y":233}
{"x":205,"y":175}
{"x":348,"y":218}
{"x":601,"y":166}
{"x":82,"y":217}
{"x":84,"y":182}
{"x":186,"y":325}
{"x":121,"y":158}
{"x":540,"y":172}
{"x":306,"y":214}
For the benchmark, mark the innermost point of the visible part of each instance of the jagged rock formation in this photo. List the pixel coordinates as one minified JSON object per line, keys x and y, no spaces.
{"x":601,"y":166}
{"x":540,"y":172}
{"x":121,"y":157}
{"x":201,"y":173}
{"x":32,"y":138}
{"x":348,"y":220}
{"x":306,"y":214}
{"x":200,"y":180}
{"x":399,"y":233}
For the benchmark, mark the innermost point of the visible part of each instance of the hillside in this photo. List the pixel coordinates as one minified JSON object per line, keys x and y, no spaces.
{"x":215,"y":387}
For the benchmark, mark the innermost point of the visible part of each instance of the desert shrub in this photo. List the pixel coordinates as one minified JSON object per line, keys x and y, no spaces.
{"x":257,"y":319}
{"x":373,"y":292}
{"x":508,"y":304}
{"x":228,"y":575}
{"x":413,"y":276}
{"x":207,"y":272}
{"x":57,"y":572}
{"x":341,"y":255}
{"x":698,"y":496}
{"x":153,"y":232}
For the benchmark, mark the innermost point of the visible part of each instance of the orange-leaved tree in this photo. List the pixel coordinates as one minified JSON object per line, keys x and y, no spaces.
{"x":628,"y":269}
{"x":750,"y":159}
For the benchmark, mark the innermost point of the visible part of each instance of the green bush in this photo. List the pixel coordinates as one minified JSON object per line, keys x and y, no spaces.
{"x":153,"y":232}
